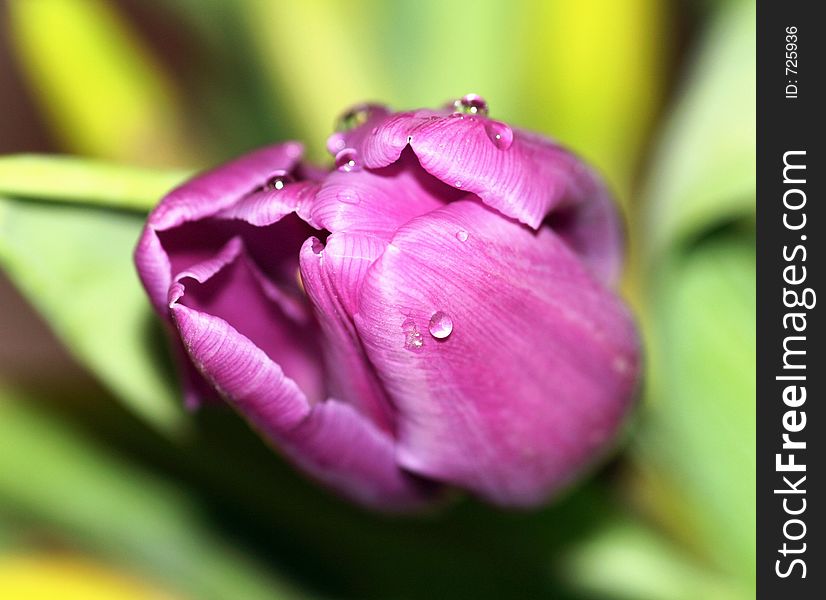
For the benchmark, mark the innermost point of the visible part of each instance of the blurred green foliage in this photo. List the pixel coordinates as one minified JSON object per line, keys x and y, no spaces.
{"x":101,"y":90}
{"x":73,"y":263}
{"x":112,"y":467}
{"x":697,"y":451}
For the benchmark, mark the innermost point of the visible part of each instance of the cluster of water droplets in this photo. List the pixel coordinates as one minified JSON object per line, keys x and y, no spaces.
{"x":413,"y":339}
{"x":440,"y":327}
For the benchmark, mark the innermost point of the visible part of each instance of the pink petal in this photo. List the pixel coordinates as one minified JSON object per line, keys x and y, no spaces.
{"x":332,"y":278}
{"x":593,"y":229}
{"x":154,"y":268}
{"x":537,"y":373}
{"x":352,"y":138}
{"x":378,"y":201}
{"x":333,"y":442}
{"x":227,"y":192}
{"x":215,"y":190}
{"x":529,"y":179}
{"x":272,"y":253}
{"x":229,"y":286}
{"x":340,"y":447}
{"x":266,"y":207}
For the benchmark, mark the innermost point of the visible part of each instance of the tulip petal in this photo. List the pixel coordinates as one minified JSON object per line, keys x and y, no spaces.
{"x":272,"y":250}
{"x":227,"y":192}
{"x":379,"y":201}
{"x":537,"y":372}
{"x":340,"y":447}
{"x":593,"y":229}
{"x":333,"y":442}
{"x":215,"y":190}
{"x":154,"y":268}
{"x":372,"y":115}
{"x":332,"y":278}
{"x":272,"y":237}
{"x":529,"y":179}
{"x":266,"y":207}
{"x":229,"y":286}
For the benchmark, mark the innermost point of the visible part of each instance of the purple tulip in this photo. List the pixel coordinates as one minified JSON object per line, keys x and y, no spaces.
{"x":434,"y":311}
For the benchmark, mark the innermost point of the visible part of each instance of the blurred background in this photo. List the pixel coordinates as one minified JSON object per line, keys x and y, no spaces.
{"x":109,"y":490}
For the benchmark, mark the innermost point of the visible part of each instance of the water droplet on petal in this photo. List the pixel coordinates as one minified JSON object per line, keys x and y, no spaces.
{"x":336,"y":143}
{"x":471,"y":104}
{"x":348,"y":196}
{"x":347,"y":160}
{"x":441,"y":325}
{"x":356,"y":116}
{"x":413,"y":340}
{"x":621,"y":365}
{"x":500,"y":134}
{"x":277,"y":181}
{"x":294,"y":150}
{"x":458,"y":184}
{"x":461,"y":235}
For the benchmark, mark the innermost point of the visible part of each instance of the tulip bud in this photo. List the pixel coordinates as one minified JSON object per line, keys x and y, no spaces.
{"x":436,"y":310}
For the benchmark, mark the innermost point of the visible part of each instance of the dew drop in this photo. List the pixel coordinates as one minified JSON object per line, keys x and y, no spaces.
{"x":348,"y":196}
{"x":413,"y":340}
{"x":500,"y":134}
{"x":294,"y":150}
{"x":621,"y":365}
{"x":277,"y":181}
{"x":441,"y":325}
{"x":470,"y":104}
{"x":336,"y":143}
{"x":356,"y":116}
{"x":461,"y":235}
{"x":347,"y":160}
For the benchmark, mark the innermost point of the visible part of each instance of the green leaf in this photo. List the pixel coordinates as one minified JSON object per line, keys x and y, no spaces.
{"x":699,"y":445}
{"x":696,"y":452}
{"x":72,"y":179}
{"x":74,"y":264}
{"x":52,"y":475}
{"x":625,"y":560}
{"x":704,"y":169}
